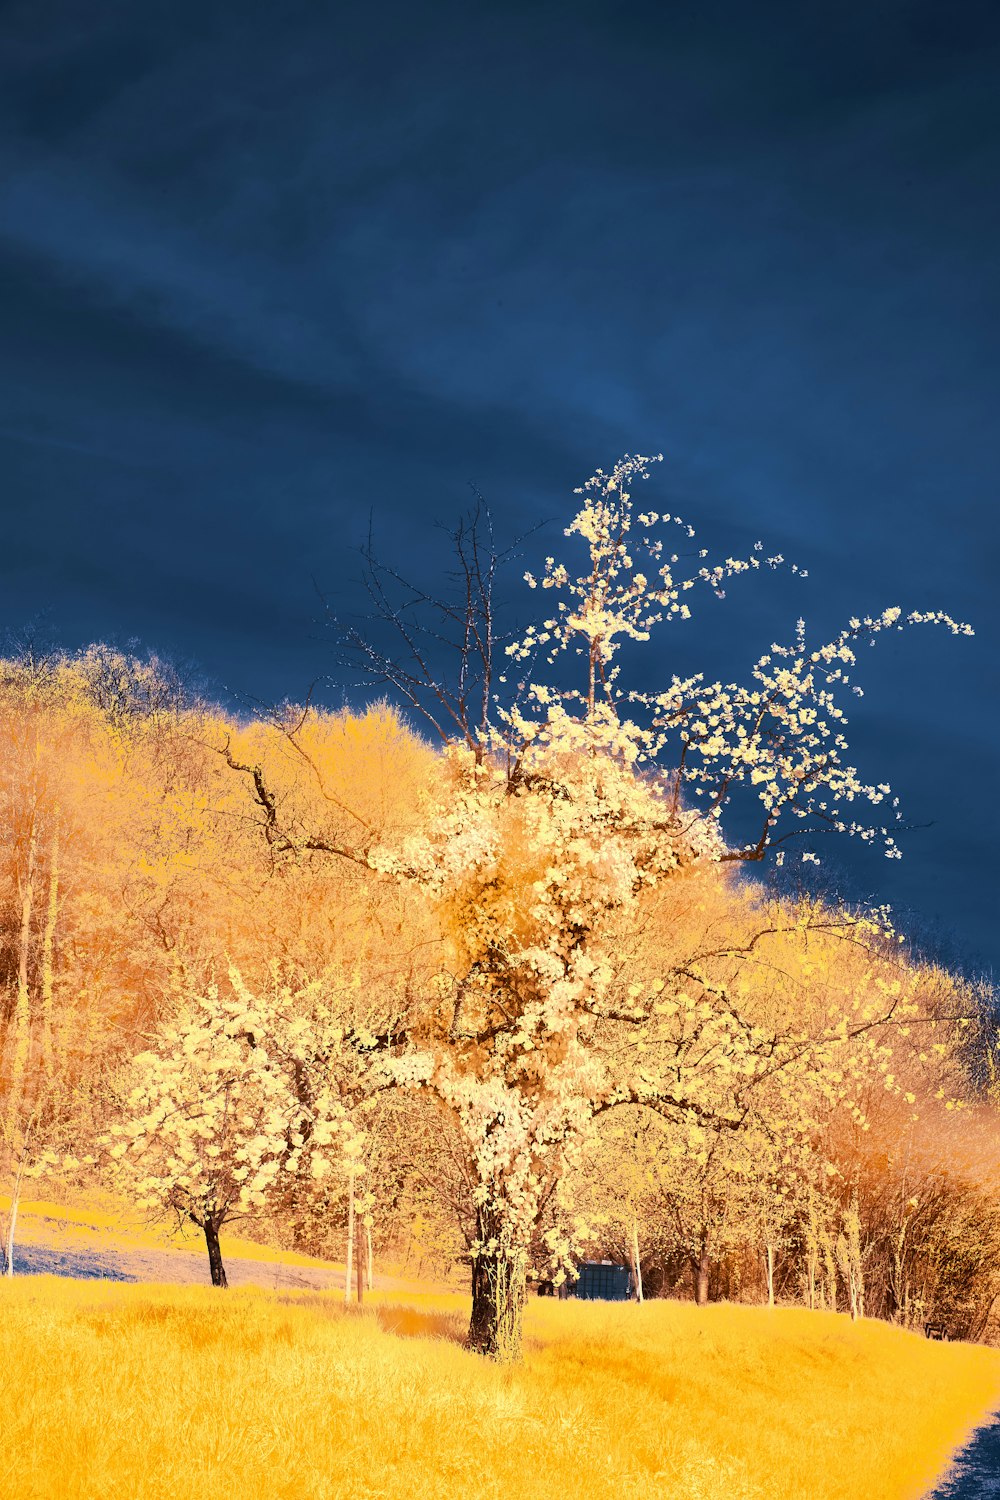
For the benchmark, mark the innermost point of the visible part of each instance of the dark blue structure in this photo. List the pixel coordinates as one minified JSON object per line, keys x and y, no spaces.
{"x":603,"y":1281}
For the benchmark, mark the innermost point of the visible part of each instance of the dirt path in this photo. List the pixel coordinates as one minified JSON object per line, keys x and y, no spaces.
{"x":183,"y":1267}
{"x":976,"y":1474}
{"x":49,"y":1244}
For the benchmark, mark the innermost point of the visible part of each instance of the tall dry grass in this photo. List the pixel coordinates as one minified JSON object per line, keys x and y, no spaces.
{"x":155,"y":1393}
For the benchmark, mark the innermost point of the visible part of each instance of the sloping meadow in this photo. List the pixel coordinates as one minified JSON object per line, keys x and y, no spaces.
{"x":142,"y":1392}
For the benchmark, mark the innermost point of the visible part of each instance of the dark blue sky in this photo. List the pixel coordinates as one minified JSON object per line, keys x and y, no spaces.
{"x":267,"y":268}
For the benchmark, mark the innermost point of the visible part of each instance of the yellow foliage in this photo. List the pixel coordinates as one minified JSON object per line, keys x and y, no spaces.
{"x":149,"y":1392}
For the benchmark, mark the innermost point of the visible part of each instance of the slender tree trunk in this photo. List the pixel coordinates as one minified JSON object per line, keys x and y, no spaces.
{"x":216,"y":1267}
{"x":812,"y":1254}
{"x":370,"y":1278}
{"x":499,"y":1289}
{"x":769,"y":1266}
{"x":48,"y":947}
{"x":360,"y":1279}
{"x":850,"y":1259}
{"x":23,"y":1155}
{"x":8,"y":1246}
{"x":27,"y":893}
{"x":350,"y":1241}
{"x":830,"y":1270}
{"x":898,"y":1277}
{"x":22,"y":1007}
{"x":636,"y":1267}
{"x":702,"y":1269}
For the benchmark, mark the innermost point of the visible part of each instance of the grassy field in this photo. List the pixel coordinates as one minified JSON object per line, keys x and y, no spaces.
{"x":155,"y":1393}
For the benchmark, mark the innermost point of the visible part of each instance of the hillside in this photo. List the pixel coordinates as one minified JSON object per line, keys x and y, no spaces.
{"x":185,"y":1391}
{"x":98,"y":1239}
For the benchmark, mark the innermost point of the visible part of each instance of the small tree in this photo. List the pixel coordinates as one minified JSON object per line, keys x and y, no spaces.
{"x":219,"y":1112}
{"x":850,"y":1259}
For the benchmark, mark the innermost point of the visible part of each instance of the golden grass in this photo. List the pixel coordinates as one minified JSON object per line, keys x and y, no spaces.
{"x":155,"y":1393}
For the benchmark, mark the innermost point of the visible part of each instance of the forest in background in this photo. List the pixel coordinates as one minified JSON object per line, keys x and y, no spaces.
{"x":428,"y":1003}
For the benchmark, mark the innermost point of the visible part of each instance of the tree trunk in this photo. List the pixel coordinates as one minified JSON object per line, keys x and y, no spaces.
{"x":897,"y":1279}
{"x":350,"y":1241}
{"x":499,"y":1289}
{"x":22,"y":1007}
{"x":830,"y":1272}
{"x":216,"y":1267}
{"x":27,"y":893}
{"x":769,"y":1266}
{"x":636,"y":1268}
{"x":370,"y":1278}
{"x":8,"y":1248}
{"x":48,"y":947}
{"x":702,"y":1269}
{"x":812,"y":1254}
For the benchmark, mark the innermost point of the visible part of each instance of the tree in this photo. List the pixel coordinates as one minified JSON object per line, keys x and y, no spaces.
{"x":227,"y":1102}
{"x":554,"y":822}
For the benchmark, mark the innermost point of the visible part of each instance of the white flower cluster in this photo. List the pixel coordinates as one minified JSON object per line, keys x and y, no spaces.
{"x":631,"y":585}
{"x":783,"y":735}
{"x":218,"y":1111}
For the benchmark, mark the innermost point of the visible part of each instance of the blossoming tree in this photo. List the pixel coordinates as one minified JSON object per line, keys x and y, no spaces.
{"x":559,"y":813}
{"x":236,"y":1097}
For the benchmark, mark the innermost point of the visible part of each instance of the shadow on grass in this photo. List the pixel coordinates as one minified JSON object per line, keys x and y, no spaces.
{"x":411,"y":1323}
{"x":397,"y":1318}
{"x":40,"y":1260}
